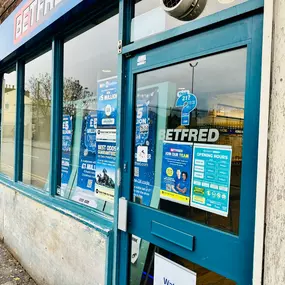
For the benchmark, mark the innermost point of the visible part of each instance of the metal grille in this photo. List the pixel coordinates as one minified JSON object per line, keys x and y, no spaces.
{"x":170,"y":3}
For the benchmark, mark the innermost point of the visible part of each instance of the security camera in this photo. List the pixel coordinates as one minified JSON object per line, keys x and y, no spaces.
{"x":184,"y":10}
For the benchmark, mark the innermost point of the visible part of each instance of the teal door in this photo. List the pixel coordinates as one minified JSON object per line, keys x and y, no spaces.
{"x":190,"y":128}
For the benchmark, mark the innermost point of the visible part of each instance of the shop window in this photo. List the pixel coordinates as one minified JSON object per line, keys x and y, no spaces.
{"x":89,"y":117}
{"x":37,"y":120}
{"x":8,"y":124}
{"x":151,"y":16}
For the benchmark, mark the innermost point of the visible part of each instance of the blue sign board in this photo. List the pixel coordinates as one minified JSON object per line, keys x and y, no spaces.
{"x":87,"y":156}
{"x":28,"y":19}
{"x":188,"y":102}
{"x":145,"y":143}
{"x":67,"y":134}
{"x":211,"y":175}
{"x":176,"y":172}
{"x":105,"y":170}
{"x":90,"y":132}
{"x":107,"y":102}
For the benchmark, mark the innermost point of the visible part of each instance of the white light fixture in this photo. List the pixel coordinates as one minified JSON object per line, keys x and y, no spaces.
{"x":106,"y":70}
{"x":184,"y":10}
{"x":181,"y":88}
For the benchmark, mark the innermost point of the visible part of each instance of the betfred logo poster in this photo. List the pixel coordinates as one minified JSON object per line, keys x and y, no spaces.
{"x":145,"y":143}
{"x":86,"y":177}
{"x":67,"y":134}
{"x":176,"y":172}
{"x":107,"y":103}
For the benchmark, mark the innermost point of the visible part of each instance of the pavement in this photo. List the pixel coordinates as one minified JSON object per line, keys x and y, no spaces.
{"x":11,"y":272}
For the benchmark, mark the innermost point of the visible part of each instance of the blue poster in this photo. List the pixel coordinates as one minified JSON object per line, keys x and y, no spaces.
{"x":145,"y":143}
{"x":67,"y":134}
{"x":176,"y":172}
{"x":90,"y":132}
{"x":105,"y":170}
{"x":107,"y":102}
{"x":210,"y":189}
{"x":188,"y":102}
{"x":87,"y":156}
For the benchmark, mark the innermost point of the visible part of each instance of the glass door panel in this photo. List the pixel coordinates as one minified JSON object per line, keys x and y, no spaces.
{"x":188,"y":158}
{"x":143,"y":263}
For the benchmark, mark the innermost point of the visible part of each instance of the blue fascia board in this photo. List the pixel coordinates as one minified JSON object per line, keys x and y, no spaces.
{"x":7,"y":44}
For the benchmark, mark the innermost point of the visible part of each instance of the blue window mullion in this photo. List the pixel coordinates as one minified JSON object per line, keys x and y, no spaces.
{"x":19,"y":128}
{"x":56,"y":116}
{"x":121,"y":249}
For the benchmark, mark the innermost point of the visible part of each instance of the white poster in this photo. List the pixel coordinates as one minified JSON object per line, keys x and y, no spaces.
{"x":167,"y":272}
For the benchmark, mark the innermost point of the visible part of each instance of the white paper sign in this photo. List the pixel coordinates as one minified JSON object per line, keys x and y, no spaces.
{"x":167,"y":272}
{"x":142,"y":153}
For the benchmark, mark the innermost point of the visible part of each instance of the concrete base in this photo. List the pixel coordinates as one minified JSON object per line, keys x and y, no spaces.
{"x":54,"y":249}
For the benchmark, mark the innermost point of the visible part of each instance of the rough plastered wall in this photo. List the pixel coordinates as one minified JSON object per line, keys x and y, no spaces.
{"x":54,"y":248}
{"x":274,"y":259}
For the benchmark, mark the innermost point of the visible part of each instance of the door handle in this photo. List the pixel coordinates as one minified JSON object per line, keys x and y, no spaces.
{"x":173,"y":235}
{"x":123,"y":214}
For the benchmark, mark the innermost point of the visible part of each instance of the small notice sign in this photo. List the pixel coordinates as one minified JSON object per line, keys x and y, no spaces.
{"x":167,"y":272}
{"x":211,"y":176}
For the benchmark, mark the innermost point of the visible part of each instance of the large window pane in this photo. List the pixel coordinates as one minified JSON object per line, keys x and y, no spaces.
{"x":8,"y":124}
{"x":37,"y":121}
{"x":89,"y":117}
{"x":150,"y":17}
{"x":188,"y":157}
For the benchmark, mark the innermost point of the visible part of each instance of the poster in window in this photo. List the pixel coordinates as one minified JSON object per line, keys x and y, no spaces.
{"x":107,"y":102}
{"x":145,"y":143}
{"x":105,"y":164}
{"x":176,"y":172}
{"x":86,"y":176}
{"x":210,"y":188}
{"x":67,"y":136}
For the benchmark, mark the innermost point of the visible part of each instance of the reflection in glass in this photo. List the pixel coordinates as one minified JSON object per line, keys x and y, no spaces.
{"x":37,"y":121}
{"x":142,"y":265}
{"x":8,"y":124}
{"x":218,"y":83}
{"x":150,"y":18}
{"x":90,"y":90}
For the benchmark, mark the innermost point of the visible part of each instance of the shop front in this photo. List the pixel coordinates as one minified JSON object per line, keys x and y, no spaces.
{"x":129,"y":140}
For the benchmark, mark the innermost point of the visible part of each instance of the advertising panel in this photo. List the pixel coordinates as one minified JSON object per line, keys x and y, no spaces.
{"x":86,"y":176}
{"x":106,"y":139}
{"x":176,"y":172}
{"x":105,"y":166}
{"x":210,"y":188}
{"x":146,"y":123}
{"x":107,"y":102}
{"x":67,"y":135}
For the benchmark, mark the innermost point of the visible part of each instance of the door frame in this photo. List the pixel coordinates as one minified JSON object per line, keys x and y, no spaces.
{"x":246,"y":32}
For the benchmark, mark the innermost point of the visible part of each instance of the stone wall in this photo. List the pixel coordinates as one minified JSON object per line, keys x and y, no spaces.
{"x":274,"y":258}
